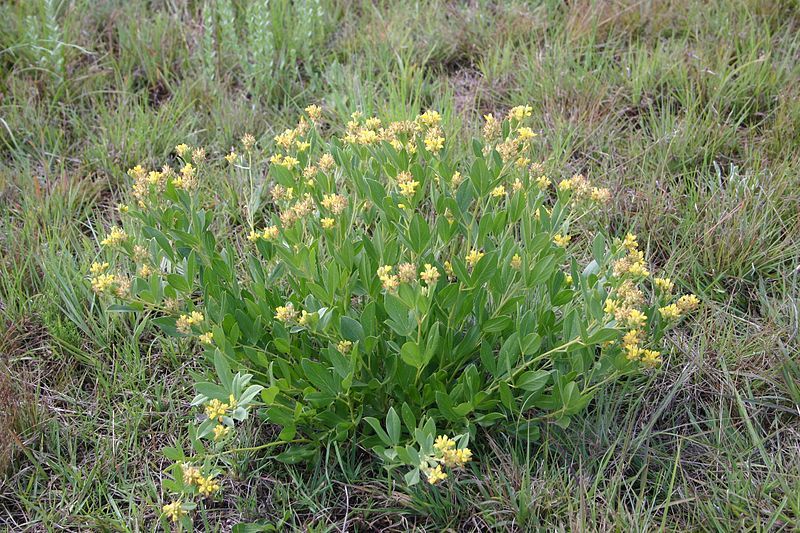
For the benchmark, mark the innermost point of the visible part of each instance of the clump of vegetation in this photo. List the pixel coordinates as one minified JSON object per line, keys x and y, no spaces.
{"x":390,"y":296}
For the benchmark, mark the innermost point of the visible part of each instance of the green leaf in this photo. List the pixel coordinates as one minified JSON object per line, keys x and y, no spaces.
{"x":268,"y":395}
{"x":173,"y":454}
{"x":419,"y":233}
{"x":211,"y":390}
{"x":497,"y":324}
{"x":393,"y":426}
{"x":376,"y":426}
{"x":223,"y":370}
{"x":179,"y":282}
{"x":599,"y":248}
{"x":530,"y":343}
{"x":351,"y":330}
{"x":412,"y":477}
{"x":533,"y":380}
{"x":320,"y":377}
{"x":603,"y":335}
{"x":412,"y":355}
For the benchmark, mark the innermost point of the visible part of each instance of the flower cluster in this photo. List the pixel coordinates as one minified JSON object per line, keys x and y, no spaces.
{"x":185,"y":323}
{"x":583,"y":191}
{"x":407,"y":273}
{"x":447,"y":454}
{"x":103,"y":281}
{"x":628,"y":301}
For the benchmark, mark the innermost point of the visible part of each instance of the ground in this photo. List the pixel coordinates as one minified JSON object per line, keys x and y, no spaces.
{"x":688,"y":110}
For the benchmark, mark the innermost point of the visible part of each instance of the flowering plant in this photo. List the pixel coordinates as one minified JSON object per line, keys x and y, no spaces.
{"x":385,"y":293}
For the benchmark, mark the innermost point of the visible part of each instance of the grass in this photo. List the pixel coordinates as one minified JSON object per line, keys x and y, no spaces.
{"x":688,"y":110}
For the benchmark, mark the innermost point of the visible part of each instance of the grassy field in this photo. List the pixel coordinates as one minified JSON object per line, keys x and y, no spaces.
{"x":688,"y":110}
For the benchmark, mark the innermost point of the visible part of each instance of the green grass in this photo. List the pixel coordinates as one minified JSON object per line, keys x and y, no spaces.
{"x":688,"y":110}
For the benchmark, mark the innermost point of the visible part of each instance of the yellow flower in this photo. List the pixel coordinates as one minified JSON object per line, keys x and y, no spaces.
{"x":215,"y":409}
{"x":253,"y":236}
{"x":543,"y":182}
{"x":525,"y":134}
{"x":309,"y":172}
{"x":327,"y":223}
{"x":326,"y":162}
{"x":491,"y":128}
{"x":335,"y":203}
{"x":430,"y":275}
{"x":638,"y":269}
{"x":568,"y":279}
{"x":522,"y":162}
{"x":102,"y":282}
{"x":434,"y":475}
{"x":314,"y":112}
{"x":473,"y":257}
{"x":344,"y":346}
{"x":390,"y":282}
{"x":499,"y":191}
{"x":633,"y":352}
{"x":443,"y":443}
{"x":367,"y":136}
{"x":407,"y":272}
{"x":207,"y":338}
{"x":185,"y":322}
{"x":456,"y":458}
{"x":456,"y":180}
{"x":285,"y":139}
{"x":600,"y":195}
{"x":670,"y":312}
{"x":248,"y":141}
{"x":650,"y":357}
{"x":632,"y":338}
{"x":665,"y":285}
{"x":688,"y":303}
{"x":611,"y":306}
{"x":198,"y":155}
{"x":98,"y":268}
{"x":561,"y":240}
{"x":289,"y":162}
{"x":123,"y":208}
{"x":182,"y":149}
{"x":520,"y":112}
{"x":116,"y":236}
{"x":285,"y":313}
{"x":430,"y":118}
{"x":630,"y":242}
{"x":565,"y":185}
{"x":270,"y":233}
{"x":516,"y":262}
{"x":434,"y":142}
{"x":517,"y":185}
{"x":221,"y":431}
{"x":207,"y":486}
{"x":231,"y":157}
{"x":190,"y":474}
{"x":408,"y":188}
{"x":302,"y":146}
{"x":305,"y":318}
{"x":174,"y":511}
{"x":636,"y":318}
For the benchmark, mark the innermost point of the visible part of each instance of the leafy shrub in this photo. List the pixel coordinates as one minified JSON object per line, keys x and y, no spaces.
{"x":382,"y":296}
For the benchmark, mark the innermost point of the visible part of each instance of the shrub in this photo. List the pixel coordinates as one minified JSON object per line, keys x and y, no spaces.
{"x":383,"y":296}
